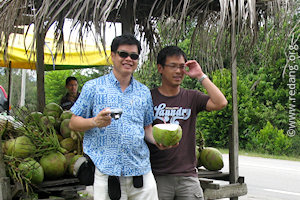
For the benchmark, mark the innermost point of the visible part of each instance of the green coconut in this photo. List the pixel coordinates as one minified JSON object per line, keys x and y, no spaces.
{"x":5,"y":146}
{"x":57,"y":124}
{"x":53,"y":109}
{"x":21,"y":147}
{"x":66,"y":114}
{"x":211,"y":158}
{"x":9,"y":145}
{"x":34,"y":117}
{"x":54,"y":165}
{"x":65,"y":131}
{"x":68,"y":143}
{"x":48,"y":121}
{"x":72,"y":163}
{"x":32,"y":170}
{"x":167,"y":134}
{"x":69,"y":157}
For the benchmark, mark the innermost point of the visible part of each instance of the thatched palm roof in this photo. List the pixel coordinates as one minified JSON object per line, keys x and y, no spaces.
{"x":147,"y":14}
{"x":171,"y":17}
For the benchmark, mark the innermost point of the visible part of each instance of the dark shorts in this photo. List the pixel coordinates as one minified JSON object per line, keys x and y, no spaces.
{"x":179,"y":188}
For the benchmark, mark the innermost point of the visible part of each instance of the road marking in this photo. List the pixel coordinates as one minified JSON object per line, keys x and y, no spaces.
{"x":283,"y":192}
{"x":270,"y":167}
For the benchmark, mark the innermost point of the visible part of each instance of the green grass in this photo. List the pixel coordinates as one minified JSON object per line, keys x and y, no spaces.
{"x":255,"y":154}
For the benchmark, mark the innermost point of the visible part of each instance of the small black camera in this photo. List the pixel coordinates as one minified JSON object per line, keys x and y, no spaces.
{"x":116,"y":113}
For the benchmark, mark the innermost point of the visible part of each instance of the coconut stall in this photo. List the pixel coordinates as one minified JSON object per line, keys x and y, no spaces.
{"x":39,"y":152}
{"x":38,"y":147}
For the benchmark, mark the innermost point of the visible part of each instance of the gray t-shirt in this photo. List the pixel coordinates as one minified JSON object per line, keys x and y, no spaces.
{"x":183,"y":109}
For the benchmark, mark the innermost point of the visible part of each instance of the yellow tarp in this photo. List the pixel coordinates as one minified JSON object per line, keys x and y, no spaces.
{"x":19,"y":58}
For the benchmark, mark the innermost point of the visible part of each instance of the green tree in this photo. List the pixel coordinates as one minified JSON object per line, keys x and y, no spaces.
{"x":55,"y":81}
{"x":30,"y":87}
{"x":55,"y":85}
{"x":263,"y":94}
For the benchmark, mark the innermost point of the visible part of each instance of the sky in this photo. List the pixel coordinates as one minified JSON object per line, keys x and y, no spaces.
{"x":111,"y":32}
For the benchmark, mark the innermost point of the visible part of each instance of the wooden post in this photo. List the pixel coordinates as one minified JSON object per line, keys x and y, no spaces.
{"x":40,"y":70}
{"x":127,"y":17}
{"x":5,"y":190}
{"x":234,"y":138}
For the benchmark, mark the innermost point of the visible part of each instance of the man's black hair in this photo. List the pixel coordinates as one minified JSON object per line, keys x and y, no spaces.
{"x":125,"y":39}
{"x":71,"y":78}
{"x":169,"y":51}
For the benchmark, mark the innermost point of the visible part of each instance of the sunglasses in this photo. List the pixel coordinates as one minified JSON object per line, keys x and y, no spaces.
{"x":124,"y":54}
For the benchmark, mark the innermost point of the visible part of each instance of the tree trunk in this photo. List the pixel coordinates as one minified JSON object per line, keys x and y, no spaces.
{"x":40,"y":70}
{"x":23,"y":88}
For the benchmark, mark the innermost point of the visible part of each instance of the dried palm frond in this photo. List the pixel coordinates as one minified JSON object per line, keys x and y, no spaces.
{"x":12,"y":15}
{"x":170,"y":15}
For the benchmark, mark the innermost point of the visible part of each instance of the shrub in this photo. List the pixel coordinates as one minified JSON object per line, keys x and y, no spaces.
{"x":271,"y":140}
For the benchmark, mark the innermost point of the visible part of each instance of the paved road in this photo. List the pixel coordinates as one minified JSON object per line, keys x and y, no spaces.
{"x":269,"y":179}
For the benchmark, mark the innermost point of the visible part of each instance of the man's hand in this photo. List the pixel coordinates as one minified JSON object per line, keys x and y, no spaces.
{"x":162,"y":147}
{"x":217,"y":100}
{"x":195,"y":70}
{"x":103,"y":118}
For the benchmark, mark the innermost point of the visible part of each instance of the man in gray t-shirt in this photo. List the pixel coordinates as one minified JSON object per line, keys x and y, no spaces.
{"x":174,"y":169}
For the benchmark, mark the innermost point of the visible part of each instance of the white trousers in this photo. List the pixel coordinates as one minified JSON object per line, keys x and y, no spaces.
{"x":128,"y":192}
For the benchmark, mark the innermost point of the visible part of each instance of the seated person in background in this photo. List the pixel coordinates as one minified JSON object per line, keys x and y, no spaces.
{"x":69,"y":99}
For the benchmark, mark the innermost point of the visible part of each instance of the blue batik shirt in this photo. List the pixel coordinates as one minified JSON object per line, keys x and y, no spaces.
{"x":118,"y":149}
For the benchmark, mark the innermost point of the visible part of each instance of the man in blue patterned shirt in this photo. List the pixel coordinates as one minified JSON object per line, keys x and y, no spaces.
{"x":117,"y":147}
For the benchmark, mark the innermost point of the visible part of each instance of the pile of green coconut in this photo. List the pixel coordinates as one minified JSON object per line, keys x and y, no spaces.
{"x":208,"y":157}
{"x":42,"y":148}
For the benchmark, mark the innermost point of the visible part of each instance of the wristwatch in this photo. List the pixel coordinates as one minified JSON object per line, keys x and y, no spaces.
{"x":202,"y":78}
